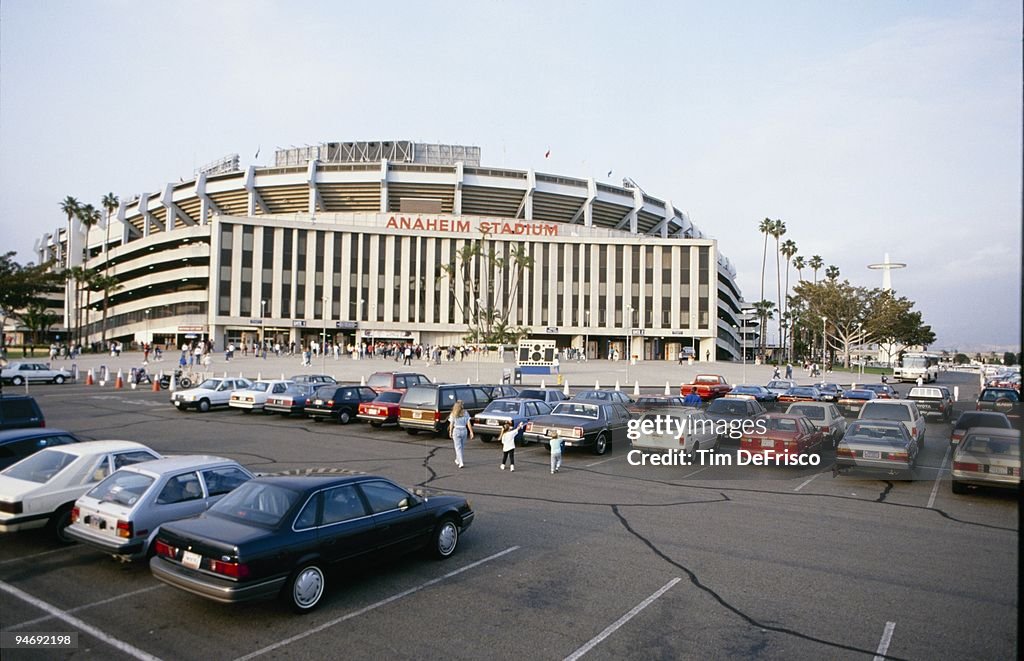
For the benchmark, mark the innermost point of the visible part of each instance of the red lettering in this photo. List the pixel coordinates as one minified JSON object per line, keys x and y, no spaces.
{"x":462,"y":226}
{"x":392,"y":223}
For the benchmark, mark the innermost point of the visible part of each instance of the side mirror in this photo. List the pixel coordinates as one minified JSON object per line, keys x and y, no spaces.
{"x":406,"y":503}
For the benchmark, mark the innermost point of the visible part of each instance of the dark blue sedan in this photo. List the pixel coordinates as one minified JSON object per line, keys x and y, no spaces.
{"x":16,"y":444}
{"x":760,"y":394}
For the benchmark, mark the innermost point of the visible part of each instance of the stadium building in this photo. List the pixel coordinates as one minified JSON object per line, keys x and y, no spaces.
{"x":348,"y":240}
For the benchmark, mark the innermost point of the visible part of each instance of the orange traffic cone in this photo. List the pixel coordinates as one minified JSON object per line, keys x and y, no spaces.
{"x":119,"y":382}
{"x":89,"y":379}
{"x":156,"y":383}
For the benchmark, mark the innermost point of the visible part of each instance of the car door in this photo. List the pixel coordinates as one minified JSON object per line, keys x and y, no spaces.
{"x":400,"y":525}
{"x":618,"y":421}
{"x":180,"y":497}
{"x":346,"y":530}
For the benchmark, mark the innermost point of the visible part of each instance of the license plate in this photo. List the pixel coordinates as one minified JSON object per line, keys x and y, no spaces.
{"x":998,"y":470}
{"x":767,"y":443}
{"x":373,"y":411}
{"x":94,"y":521}
{"x":191,"y":560}
{"x":492,"y":423}
{"x":318,"y":402}
{"x":417,"y":415}
{"x":177,"y":403}
{"x":872,"y":454}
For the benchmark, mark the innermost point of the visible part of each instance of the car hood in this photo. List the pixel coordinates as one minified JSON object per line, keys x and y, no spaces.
{"x":194,"y":391}
{"x":12,"y":489}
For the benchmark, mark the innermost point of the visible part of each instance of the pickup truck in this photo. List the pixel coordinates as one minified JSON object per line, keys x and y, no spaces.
{"x":933,"y":401}
{"x":1000,"y":400}
{"x":707,"y":386}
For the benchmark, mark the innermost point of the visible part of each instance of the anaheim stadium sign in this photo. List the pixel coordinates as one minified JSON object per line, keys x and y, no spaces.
{"x":456,"y":225}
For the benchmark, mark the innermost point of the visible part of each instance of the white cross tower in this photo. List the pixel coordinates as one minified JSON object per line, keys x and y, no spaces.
{"x":887,"y":267}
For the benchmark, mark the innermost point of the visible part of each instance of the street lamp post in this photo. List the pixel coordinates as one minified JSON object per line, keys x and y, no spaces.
{"x":263,"y":325}
{"x":479,"y":304}
{"x":586,"y":340}
{"x":824,"y":345}
{"x":323,"y":342}
{"x":356,"y":335}
{"x":149,"y":333}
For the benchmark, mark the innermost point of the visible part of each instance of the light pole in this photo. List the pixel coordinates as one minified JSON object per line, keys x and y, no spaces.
{"x":323,"y":342}
{"x":149,"y":333}
{"x":629,"y":343}
{"x":586,"y":340}
{"x":356,"y":336}
{"x":824,"y":347}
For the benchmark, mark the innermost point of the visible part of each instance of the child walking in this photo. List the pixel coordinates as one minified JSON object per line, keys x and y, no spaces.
{"x":508,"y":444}
{"x":556,"y":454}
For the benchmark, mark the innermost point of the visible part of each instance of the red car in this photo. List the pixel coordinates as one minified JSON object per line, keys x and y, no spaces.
{"x":381,"y":411}
{"x":785,"y":434}
{"x":708,"y":386}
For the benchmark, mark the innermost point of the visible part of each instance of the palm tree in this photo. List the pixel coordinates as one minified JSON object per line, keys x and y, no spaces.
{"x":69,"y":207}
{"x":816,"y":262}
{"x":765,"y":228}
{"x":778,"y":229}
{"x":799,"y":264}
{"x":788,"y":249}
{"x":110,"y":204}
{"x":38,"y":320}
{"x":763,"y":309}
{"x":89,"y":216}
{"x":832,"y":272}
{"x":108,"y":285}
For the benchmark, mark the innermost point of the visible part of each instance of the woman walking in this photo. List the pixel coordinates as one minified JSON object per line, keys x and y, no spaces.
{"x":459,"y":428}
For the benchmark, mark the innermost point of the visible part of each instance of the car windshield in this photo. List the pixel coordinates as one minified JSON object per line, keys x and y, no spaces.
{"x":593,"y":394}
{"x":995,"y":395}
{"x":970,"y":419}
{"x":812,"y":412}
{"x":1001,"y":447}
{"x":828,"y":387}
{"x":880,"y":434}
{"x":926,"y":392}
{"x":210,"y":384}
{"x":379,"y":381}
{"x":256,"y":502}
{"x":879,"y":411}
{"x":298,"y":389}
{"x":502,"y":406}
{"x":420,"y":396}
{"x":579,"y":410}
{"x":532,"y":394}
{"x":727,"y":407}
{"x":389,"y":397}
{"x":40,"y":467}
{"x":858,"y":394}
{"x":786,"y":385}
{"x":803,"y":392}
{"x":123,"y":488}
{"x":781,"y":424}
{"x":746,"y":390}
{"x":260,"y":386}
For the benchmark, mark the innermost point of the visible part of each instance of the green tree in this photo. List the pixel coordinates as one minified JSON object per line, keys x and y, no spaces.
{"x":832,"y":272}
{"x":895,"y":324}
{"x":764,"y":309}
{"x":1009,"y":358}
{"x":961,"y":359}
{"x":107,"y":285}
{"x":20,"y":285}
{"x":110,"y":202}
{"x":69,"y":206}
{"x":39,"y":321}
{"x":765,"y":227}
{"x":839,"y":309}
{"x":778,"y":230}
{"x":799,"y":263}
{"x":89,"y":216}
{"x":815,"y":263}
{"x":788,"y":251}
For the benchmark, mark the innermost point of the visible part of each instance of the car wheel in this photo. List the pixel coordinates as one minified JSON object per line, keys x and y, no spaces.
{"x":376,"y":425}
{"x":446,"y":538}
{"x":59,"y":379}
{"x":344,"y":417}
{"x":304,"y":588}
{"x":695,"y":448}
{"x":58,"y":524}
{"x":17,"y":380}
{"x":315,"y":418}
{"x":601,"y":444}
{"x":959,"y":488}
{"x":204,"y":405}
{"x":412,"y":432}
{"x":185,"y":382}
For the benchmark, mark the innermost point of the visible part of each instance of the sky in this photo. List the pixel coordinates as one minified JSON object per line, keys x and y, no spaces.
{"x":866,"y":126}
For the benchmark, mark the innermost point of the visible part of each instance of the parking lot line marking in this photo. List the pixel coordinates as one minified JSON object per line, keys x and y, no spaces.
{"x":367,"y":609}
{"x":938,"y":478}
{"x":36,"y":555}
{"x":806,"y":482}
{"x":76,"y":609}
{"x":599,"y":462}
{"x":883,"y":645}
{"x":699,"y":470}
{"x":116,"y":643}
{"x":611,"y":628}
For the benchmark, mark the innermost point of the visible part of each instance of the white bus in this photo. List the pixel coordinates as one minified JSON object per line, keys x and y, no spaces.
{"x":918,"y":364}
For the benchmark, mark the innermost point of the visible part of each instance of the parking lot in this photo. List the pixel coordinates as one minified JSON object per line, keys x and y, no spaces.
{"x":604,"y":559}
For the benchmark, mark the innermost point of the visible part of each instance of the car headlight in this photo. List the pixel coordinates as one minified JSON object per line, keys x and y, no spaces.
{"x":190,"y":398}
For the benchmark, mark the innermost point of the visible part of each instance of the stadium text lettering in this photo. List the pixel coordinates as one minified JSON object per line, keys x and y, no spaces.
{"x":465,"y":226}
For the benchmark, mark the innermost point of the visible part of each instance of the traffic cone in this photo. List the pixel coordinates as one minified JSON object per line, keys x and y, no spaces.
{"x":89,"y":380}
{"x":617,"y":389}
{"x":156,"y":383}
{"x":565,"y":388}
{"x":597,"y":384}
{"x":636,"y":388}
{"x":119,"y":381}
{"x":259,"y":376}
{"x":542,"y":383}
{"x":135,"y":384}
{"x":362,"y":380}
{"x":174,"y":384}
{"x":666,"y":388}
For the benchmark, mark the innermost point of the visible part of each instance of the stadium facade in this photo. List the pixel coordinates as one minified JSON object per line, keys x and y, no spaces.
{"x":348,"y":240}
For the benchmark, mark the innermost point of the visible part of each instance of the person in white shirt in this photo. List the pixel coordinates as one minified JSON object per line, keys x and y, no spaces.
{"x":508,"y":444}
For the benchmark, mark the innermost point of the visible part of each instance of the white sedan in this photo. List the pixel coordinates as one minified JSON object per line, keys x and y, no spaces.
{"x":255,"y":397}
{"x":209,"y":393}
{"x":686,"y":429}
{"x":20,"y":373}
{"x":41,"y":489}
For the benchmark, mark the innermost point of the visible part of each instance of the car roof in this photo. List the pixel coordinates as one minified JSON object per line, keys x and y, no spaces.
{"x":11,"y":435}
{"x":518,"y":400}
{"x":178,"y":462}
{"x":994,"y":431}
{"x":316,"y":479}
{"x":787,"y":416}
{"x":891,"y":402}
{"x":890,"y":423}
{"x":817,"y":405}
{"x":96,"y":447}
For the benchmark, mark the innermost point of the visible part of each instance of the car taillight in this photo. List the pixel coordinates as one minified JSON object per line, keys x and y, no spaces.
{"x":789,"y":444}
{"x":437,"y":416}
{"x":10,"y":508}
{"x":330,"y":402}
{"x":682,"y":440}
{"x":957,"y":435}
{"x":124,"y":529}
{"x":164,"y":549}
{"x":74,"y":514}
{"x":529,"y":426}
{"x":232,"y":569}
{"x":977,"y":407}
{"x":902,"y":456}
{"x":964,"y":466}
{"x":845,"y":452}
{"x":577,"y":432}
{"x":825,"y":429}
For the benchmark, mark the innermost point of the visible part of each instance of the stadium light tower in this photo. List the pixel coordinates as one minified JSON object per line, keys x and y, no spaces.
{"x":887,"y":267}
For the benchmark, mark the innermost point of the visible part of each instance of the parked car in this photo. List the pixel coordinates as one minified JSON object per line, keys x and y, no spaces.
{"x":970,"y":419}
{"x":616,"y":396}
{"x":122,"y":514}
{"x":780,"y":386}
{"x":255,"y":396}
{"x":762,"y":395}
{"x":852,"y":401}
{"x":383,"y":410}
{"x":1001,"y":400}
{"x":16,"y":444}
{"x":488,"y":423}
{"x":426,"y":407}
{"x":501,"y":390}
{"x":783,"y":434}
{"x":901,"y":410}
{"x":396,"y":380}
{"x":41,"y":489}
{"x":549,"y":395}
{"x":823,"y":415}
{"x":21,"y":372}
{"x":881,"y":390}
{"x":729,"y":413}
{"x":581,"y":423}
{"x":800,"y":394}
{"x":987,"y":457}
{"x":708,"y":386}
{"x":698,"y":433}
{"x":648,"y":402}
{"x":830,"y":392}
{"x":338,"y":402}
{"x":933,"y":400}
{"x":20,"y":412}
{"x":313,"y":379}
{"x":292,"y":400}
{"x":281,"y":535}
{"x":208,"y":394}
{"x":877,"y":445}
